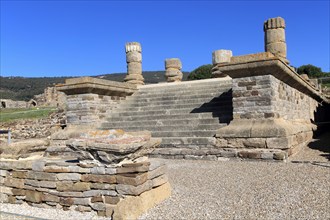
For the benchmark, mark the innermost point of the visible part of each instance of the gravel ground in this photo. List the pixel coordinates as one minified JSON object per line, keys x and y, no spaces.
{"x":234,"y":190}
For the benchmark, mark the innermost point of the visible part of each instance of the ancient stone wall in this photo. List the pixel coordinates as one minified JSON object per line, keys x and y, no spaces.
{"x":108,"y":190}
{"x":90,"y":108}
{"x":267,"y":97}
{"x":8,"y":103}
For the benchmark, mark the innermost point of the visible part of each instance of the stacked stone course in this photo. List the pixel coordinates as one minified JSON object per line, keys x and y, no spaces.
{"x":82,"y":187}
{"x":134,"y":63}
{"x":173,"y":68}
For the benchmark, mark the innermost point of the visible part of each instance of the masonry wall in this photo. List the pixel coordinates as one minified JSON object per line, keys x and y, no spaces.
{"x":265,"y":96}
{"x":59,"y":184}
{"x":90,"y":108}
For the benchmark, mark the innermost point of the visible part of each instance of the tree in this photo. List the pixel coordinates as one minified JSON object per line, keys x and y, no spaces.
{"x":310,"y":70}
{"x":202,"y":72}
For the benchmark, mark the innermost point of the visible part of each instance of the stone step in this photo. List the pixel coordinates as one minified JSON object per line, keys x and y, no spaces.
{"x":162,"y":134}
{"x":183,"y":111}
{"x":211,"y":95}
{"x":176,"y":141}
{"x":165,"y":92}
{"x":187,"y":85}
{"x":176,"y":122}
{"x":205,"y":127}
{"x":205,"y":115}
{"x":164,"y":103}
{"x":192,"y":106}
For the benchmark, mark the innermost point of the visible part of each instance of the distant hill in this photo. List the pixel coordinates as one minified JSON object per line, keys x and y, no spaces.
{"x":24,"y":88}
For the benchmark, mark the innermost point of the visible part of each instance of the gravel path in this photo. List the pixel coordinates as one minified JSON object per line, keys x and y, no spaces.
{"x":234,"y":190}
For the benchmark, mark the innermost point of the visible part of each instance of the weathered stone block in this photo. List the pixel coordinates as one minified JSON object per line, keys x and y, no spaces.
{"x":33,"y":196}
{"x":98,"y":178}
{"x":98,"y":206}
{"x":68,"y":176}
{"x":6,"y":190}
{"x":41,"y":176}
{"x":250,"y":154}
{"x":97,"y":199}
{"x":133,"y":190}
{"x":82,"y":201}
{"x":278,"y":143}
{"x":160,"y":180}
{"x":14,"y":182}
{"x":103,"y":186}
{"x":111,"y":199}
{"x":19,"y":174}
{"x":132,"y":179}
{"x":157,"y":172}
{"x":66,"y":201}
{"x":221,"y":56}
{"x":38,"y":165}
{"x":81,"y":208}
{"x":18,"y":192}
{"x":56,"y":169}
{"x":50,"y":198}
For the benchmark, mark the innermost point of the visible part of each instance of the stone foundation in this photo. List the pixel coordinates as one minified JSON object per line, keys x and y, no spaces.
{"x":122,"y":192}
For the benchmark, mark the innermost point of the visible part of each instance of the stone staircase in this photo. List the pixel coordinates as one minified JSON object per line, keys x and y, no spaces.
{"x":184,"y":115}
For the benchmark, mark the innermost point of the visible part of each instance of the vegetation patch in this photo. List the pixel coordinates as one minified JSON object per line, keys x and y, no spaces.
{"x":7,"y":115}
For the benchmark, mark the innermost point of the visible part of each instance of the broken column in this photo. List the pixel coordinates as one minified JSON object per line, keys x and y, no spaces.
{"x":220,"y":57}
{"x":134,"y":63}
{"x":173,"y":68}
{"x":275,"y":37}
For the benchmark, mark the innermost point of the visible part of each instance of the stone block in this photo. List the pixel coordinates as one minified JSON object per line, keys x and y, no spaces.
{"x":275,"y":35}
{"x":33,"y":196}
{"x":18,"y":192}
{"x":41,"y":176}
{"x":280,"y":155}
{"x":38,"y":165}
{"x":14,"y":182}
{"x":111,"y":199}
{"x":19,"y":174}
{"x":70,"y":186}
{"x":66,"y":201}
{"x":78,"y":169}
{"x":160,"y":180}
{"x":254,"y":142}
{"x":98,"y":206}
{"x":97,"y":199}
{"x":81,"y":208}
{"x":3,"y":173}
{"x":132,"y":179}
{"x":42,"y":183}
{"x":92,"y":193}
{"x":68,"y":176}
{"x":278,"y":143}
{"x":56,"y":169}
{"x":12,"y":199}
{"x":50,"y":198}
{"x":82,"y":201}
{"x":137,"y":169}
{"x":98,"y":170}
{"x":3,"y":197}
{"x":267,"y":155}
{"x":221,"y":56}
{"x":157,"y":172}
{"x":6,"y":190}
{"x":250,"y":154}
{"x":133,"y":190}
{"x":98,"y":178}
{"x":103,"y":186}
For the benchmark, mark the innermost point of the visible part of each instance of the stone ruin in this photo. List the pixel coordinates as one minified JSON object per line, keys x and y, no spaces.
{"x":264,"y":109}
{"x":105,"y":171}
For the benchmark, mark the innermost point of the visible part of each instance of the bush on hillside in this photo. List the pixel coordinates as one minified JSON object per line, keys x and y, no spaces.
{"x":202,"y":72}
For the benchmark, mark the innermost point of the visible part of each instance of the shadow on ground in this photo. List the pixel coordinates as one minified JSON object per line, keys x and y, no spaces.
{"x":322,"y":143}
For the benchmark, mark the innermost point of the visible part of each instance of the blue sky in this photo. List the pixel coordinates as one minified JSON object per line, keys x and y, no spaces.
{"x":79,"y":38}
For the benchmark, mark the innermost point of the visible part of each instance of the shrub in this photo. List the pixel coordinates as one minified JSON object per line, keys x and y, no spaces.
{"x":202,"y":72}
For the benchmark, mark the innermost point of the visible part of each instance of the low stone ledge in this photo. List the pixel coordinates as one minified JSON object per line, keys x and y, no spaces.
{"x":97,"y":86}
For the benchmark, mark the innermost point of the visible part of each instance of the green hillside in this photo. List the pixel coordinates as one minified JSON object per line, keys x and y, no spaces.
{"x":24,"y":88}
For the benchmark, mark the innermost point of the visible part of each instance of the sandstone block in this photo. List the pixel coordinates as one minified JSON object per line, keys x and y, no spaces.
{"x":56,"y":169}
{"x":98,"y":170}
{"x":278,"y":143}
{"x":6,"y":190}
{"x":221,"y":56}
{"x":249,"y":154}
{"x":160,"y":180}
{"x":98,"y":206}
{"x":133,"y":180}
{"x":133,"y":56}
{"x":157,"y":172}
{"x":133,"y":190}
{"x":43,"y":184}
{"x":78,"y":169}
{"x":18,"y":192}
{"x":92,"y":193}
{"x":68,"y":176}
{"x":50,"y":198}
{"x":275,"y":35}
{"x":81,"y":201}
{"x":98,"y":178}
{"x":280,"y":155}
{"x":138,"y":169}
{"x":12,"y":199}
{"x":3,"y":197}
{"x":19,"y":174}
{"x":81,"y":208}
{"x":33,"y":196}
{"x":14,"y":182}
{"x":66,"y":201}
{"x":111,"y":199}
{"x":3,"y":173}
{"x":278,"y":49}
{"x":38,"y":165}
{"x":41,"y":176}
{"x":173,"y":63}
{"x":103,"y":186}
{"x":97,"y":199}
